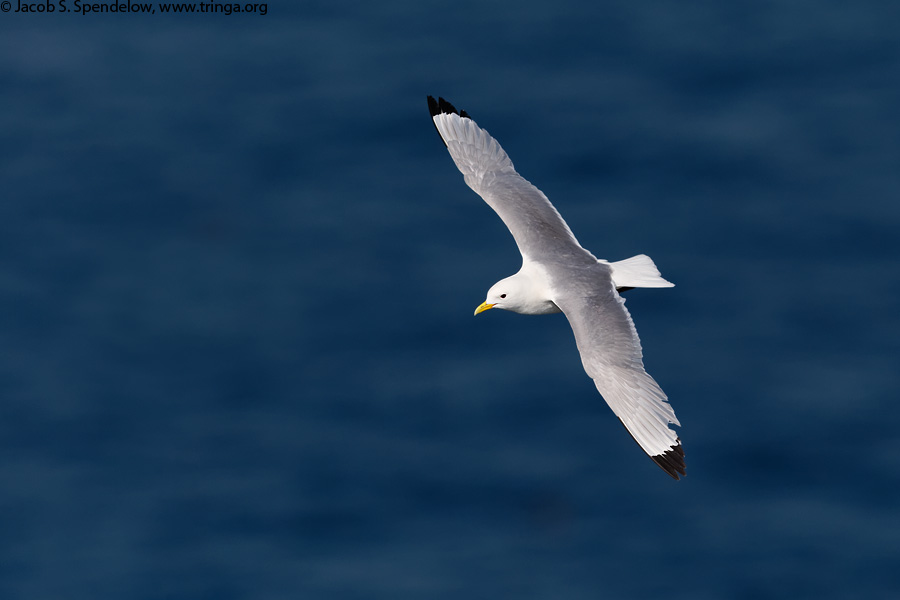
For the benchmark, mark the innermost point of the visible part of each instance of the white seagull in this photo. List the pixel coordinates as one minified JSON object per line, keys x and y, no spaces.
{"x":558,"y":275}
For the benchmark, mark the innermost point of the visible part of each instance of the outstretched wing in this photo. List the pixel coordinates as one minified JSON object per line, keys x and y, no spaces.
{"x":611,"y":354}
{"x":535,"y":224}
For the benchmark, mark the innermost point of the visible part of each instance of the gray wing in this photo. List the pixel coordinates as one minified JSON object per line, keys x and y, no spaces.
{"x":611,"y":354}
{"x":537,"y":227}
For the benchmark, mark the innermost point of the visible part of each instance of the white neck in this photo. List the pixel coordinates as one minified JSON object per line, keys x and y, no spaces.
{"x":532,"y":291}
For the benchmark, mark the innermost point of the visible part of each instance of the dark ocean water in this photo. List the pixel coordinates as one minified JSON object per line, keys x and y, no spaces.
{"x":239,"y":268}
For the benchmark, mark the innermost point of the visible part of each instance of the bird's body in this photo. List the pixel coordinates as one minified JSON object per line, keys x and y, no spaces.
{"x":559,"y":275}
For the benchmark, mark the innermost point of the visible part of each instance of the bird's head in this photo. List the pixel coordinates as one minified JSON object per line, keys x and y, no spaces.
{"x":495,"y":299}
{"x":518,"y":294}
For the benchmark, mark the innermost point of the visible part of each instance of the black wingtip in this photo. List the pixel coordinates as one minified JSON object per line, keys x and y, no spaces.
{"x":446,"y":107}
{"x":434,"y":109}
{"x":441,"y":106}
{"x":433,"y":106}
{"x":672,"y":460}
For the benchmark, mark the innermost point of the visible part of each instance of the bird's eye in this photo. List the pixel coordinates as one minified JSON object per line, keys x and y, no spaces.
{"x":503,"y":295}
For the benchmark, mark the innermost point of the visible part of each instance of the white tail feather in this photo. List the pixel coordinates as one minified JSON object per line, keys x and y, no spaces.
{"x":637,"y":272}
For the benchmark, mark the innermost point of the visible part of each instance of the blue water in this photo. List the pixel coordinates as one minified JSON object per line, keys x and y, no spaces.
{"x":238,"y":270}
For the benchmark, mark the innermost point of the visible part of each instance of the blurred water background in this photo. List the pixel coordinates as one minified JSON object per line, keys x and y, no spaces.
{"x":239,"y":269}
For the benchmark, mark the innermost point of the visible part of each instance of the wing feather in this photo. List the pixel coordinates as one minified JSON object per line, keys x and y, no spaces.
{"x":536,"y":225}
{"x":611,"y":354}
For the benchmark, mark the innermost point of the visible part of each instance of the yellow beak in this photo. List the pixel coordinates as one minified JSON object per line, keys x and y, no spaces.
{"x":483,"y":307}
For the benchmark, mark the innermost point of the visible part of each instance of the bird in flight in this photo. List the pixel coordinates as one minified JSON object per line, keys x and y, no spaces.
{"x":558,"y":275}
